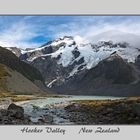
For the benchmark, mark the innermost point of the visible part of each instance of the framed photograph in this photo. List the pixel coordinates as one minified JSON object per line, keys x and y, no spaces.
{"x":69,"y":74}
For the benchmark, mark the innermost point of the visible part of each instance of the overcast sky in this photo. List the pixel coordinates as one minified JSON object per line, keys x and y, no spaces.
{"x":33,"y":31}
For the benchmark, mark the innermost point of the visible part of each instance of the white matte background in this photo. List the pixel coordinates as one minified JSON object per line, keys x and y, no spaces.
{"x":71,"y":7}
{"x":126,"y":133}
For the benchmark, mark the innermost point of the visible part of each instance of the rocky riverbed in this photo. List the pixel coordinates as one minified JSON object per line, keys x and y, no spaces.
{"x":125,"y":111}
{"x":73,"y":110}
{"x":14,"y":115}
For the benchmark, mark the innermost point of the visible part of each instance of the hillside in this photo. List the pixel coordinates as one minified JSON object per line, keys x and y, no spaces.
{"x":14,"y":82}
{"x":70,"y":67}
{"x":13,"y":62}
{"x":102,"y":68}
{"x":17,"y":76}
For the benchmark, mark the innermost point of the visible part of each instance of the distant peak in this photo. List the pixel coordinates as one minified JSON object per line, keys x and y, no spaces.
{"x":114,"y":56}
{"x":68,"y":37}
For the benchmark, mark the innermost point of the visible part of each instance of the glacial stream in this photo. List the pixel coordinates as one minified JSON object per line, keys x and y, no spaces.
{"x":54,"y":107}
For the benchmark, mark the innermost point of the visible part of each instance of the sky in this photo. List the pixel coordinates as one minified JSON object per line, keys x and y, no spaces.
{"x":34,"y":31}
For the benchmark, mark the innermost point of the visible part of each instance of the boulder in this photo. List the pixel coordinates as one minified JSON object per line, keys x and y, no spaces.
{"x":16,"y":111}
{"x":136,"y":109}
{"x":47,"y":119}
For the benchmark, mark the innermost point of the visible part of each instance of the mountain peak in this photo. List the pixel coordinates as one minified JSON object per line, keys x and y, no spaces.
{"x":65,"y":60}
{"x":68,"y":37}
{"x":113,"y":56}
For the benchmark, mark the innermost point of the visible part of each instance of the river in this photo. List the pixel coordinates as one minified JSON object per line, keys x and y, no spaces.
{"x":54,"y":106}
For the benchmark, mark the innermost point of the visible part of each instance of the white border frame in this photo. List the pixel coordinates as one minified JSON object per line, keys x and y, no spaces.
{"x":70,"y":7}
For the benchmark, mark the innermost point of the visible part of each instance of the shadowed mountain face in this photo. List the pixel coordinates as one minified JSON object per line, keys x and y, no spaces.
{"x":105,"y":68}
{"x":9,"y":59}
{"x":18,"y":76}
{"x":113,"y":70}
{"x":111,"y":77}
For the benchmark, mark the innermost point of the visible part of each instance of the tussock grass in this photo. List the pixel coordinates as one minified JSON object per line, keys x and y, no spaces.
{"x":99,"y":104}
{"x":12,"y":61}
{"x":3,"y":72}
{"x":16,"y":98}
{"x":22,"y":98}
{"x":6,"y":94}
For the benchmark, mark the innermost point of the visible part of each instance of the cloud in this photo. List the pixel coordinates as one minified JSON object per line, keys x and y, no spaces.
{"x":127,"y":31}
{"x":117,"y":29}
{"x":22,"y":31}
{"x":18,"y":35}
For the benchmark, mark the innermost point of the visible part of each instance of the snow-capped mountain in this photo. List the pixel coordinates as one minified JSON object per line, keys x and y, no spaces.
{"x":17,"y":76}
{"x":69,"y":51}
{"x":15,"y":50}
{"x":45,"y":49}
{"x":66,"y":62}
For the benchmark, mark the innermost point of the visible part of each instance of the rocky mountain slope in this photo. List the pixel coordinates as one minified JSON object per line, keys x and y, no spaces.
{"x":72,"y":67}
{"x":111,"y":77}
{"x":18,"y":76}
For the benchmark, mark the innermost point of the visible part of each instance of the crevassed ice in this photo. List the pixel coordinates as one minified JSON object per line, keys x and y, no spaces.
{"x":91,"y":56}
{"x":66,"y":56}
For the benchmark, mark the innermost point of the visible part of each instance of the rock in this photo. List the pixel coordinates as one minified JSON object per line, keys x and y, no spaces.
{"x":72,"y":107}
{"x":14,"y":115}
{"x":47,"y":109}
{"x":15,"y":107}
{"x":16,"y":111}
{"x":136,"y":108}
{"x":109,"y":109}
{"x":64,"y":117}
{"x":4,"y":112}
{"x":46,"y":119}
{"x":76,"y":53}
{"x":6,"y":121}
{"x":0,"y":114}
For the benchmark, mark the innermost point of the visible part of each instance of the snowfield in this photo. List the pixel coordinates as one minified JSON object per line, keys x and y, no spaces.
{"x":69,"y":51}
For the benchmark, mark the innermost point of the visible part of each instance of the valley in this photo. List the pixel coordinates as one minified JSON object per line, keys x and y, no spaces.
{"x":65,"y":82}
{"x":50,"y":109}
{"x":72,"y":110}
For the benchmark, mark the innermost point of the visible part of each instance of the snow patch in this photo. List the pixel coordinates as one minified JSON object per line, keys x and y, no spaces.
{"x":92,"y":53}
{"x":50,"y":84}
{"x":80,"y":40}
{"x":68,"y":41}
{"x":66,"y":56}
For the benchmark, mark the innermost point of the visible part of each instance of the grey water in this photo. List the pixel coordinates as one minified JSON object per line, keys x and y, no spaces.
{"x":54,"y":106}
